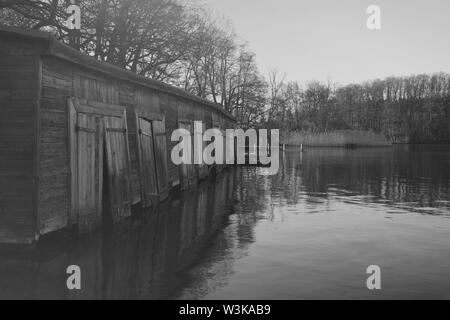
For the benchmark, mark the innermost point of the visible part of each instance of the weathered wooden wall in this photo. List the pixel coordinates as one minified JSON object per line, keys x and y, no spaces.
{"x":53,"y":167}
{"x":35,"y":129}
{"x":62,"y":79}
{"x":19,"y":82}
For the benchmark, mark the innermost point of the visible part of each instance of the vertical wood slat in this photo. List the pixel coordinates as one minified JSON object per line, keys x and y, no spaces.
{"x":86,"y":168}
{"x":109,"y":156}
{"x":140,"y":161}
{"x":160,"y":152}
{"x":100,"y":145}
{"x":145,"y":143}
{"x":184,"y":168}
{"x":19,"y":162}
{"x":89,"y":173}
{"x":192,"y":168}
{"x":37,"y":144}
{"x":81,"y":161}
{"x":128,"y":159}
{"x":73,"y":150}
{"x":202,"y":169}
{"x":118,"y":160}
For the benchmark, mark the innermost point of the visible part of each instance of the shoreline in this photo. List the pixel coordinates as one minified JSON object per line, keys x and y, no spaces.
{"x":367,"y":146}
{"x":345,"y":139}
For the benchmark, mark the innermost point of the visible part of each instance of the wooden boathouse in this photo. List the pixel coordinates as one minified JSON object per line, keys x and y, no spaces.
{"x":82,"y":141}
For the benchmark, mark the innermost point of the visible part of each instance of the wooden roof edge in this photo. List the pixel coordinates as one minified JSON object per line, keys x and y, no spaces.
{"x":62,"y":51}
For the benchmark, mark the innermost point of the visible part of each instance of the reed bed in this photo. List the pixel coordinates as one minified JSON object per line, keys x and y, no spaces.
{"x":342,"y":138}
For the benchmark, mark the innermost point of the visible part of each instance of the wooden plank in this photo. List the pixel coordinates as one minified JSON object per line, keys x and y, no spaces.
{"x":99,"y":108}
{"x":12,"y":82}
{"x":87,"y":186}
{"x":55,"y":80}
{"x":100,"y":145}
{"x":184,"y":168}
{"x":149,"y":183}
{"x":73,"y":149}
{"x":128,"y":157}
{"x":118,"y":160}
{"x":190,"y":170}
{"x":140,"y":160}
{"x":148,"y":115}
{"x":161,"y":158}
{"x":19,"y":107}
{"x":202,"y":169}
{"x":134,"y":156}
{"x":16,"y":60}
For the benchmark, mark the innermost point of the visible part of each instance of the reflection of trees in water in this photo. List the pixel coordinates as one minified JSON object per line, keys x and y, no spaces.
{"x":248,"y":206}
{"x":197,"y":237}
{"x":419,"y":175}
{"x":183,"y":231}
{"x":286,"y":185}
{"x":252,"y":197}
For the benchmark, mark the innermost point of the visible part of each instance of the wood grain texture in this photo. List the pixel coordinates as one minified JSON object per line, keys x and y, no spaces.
{"x":118,"y":161}
{"x":18,"y":76}
{"x":188,"y":172}
{"x":147,"y":162}
{"x":160,"y":149}
{"x":54,"y":191}
{"x":37,"y":175}
{"x":89,"y":141}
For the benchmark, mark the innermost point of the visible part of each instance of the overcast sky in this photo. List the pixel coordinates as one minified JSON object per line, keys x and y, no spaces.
{"x":328,"y":39}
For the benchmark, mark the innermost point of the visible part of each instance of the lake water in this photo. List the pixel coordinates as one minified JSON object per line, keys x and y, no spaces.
{"x":308,"y":232}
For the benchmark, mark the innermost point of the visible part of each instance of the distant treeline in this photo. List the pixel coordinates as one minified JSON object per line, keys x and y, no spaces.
{"x":182,"y":44}
{"x":405,"y":109}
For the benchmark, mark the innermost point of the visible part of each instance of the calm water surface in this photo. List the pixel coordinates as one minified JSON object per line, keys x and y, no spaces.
{"x":308,"y":232}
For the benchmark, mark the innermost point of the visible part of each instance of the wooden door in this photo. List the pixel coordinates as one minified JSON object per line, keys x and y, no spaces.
{"x":118,"y":160}
{"x":147,"y":162}
{"x":203,"y":169}
{"x":86,"y":153}
{"x":184,"y":174}
{"x":219,"y":167}
{"x":188,"y":171}
{"x":159,"y":140}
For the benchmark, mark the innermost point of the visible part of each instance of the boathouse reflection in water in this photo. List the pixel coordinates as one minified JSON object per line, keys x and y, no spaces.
{"x":137,"y":258}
